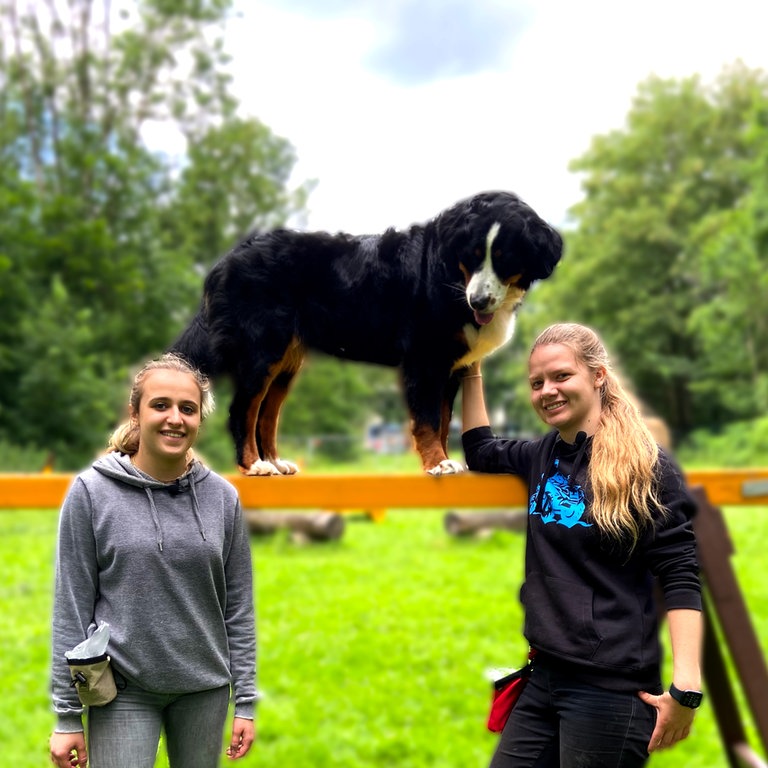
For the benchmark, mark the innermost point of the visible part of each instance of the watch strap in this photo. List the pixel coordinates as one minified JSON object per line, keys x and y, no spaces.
{"x":688,"y":698}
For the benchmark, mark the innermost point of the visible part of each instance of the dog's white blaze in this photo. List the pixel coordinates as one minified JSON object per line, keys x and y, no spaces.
{"x":485,"y":281}
{"x":492,"y":232}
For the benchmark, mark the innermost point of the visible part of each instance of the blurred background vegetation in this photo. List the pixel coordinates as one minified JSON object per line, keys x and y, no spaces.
{"x":104,"y":243}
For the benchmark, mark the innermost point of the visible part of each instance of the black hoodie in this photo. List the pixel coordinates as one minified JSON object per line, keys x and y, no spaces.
{"x":590,"y":602}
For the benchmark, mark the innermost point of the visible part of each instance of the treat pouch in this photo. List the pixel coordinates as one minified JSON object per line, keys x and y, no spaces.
{"x":93,"y":679}
{"x":89,"y":666}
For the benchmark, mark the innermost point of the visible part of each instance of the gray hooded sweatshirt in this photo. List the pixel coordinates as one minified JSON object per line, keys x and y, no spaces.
{"x":168,"y":567}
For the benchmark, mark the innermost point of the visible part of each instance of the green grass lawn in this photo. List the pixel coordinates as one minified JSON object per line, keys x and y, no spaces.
{"x":372,"y":648}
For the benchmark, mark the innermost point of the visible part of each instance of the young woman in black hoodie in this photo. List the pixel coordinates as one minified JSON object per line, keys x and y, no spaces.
{"x":609,"y":517}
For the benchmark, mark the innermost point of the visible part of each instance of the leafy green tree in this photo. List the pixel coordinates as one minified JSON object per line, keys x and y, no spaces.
{"x":733,"y":259}
{"x":104,"y":240}
{"x":209,"y":217}
{"x":73,"y":406}
{"x":667,"y":255}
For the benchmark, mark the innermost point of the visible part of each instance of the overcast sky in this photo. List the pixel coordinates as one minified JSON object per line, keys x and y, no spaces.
{"x":399,"y":108}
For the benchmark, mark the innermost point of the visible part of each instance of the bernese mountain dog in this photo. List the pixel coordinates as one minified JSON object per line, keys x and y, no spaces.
{"x":428,"y":300}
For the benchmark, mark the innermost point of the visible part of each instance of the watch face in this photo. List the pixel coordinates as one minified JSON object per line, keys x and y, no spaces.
{"x":691,"y":699}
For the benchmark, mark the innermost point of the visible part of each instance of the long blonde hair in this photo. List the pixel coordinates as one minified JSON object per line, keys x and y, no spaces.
{"x":621,"y":476}
{"x":125,"y":438}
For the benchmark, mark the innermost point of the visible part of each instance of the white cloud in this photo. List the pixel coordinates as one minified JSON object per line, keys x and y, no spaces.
{"x":387,"y":155}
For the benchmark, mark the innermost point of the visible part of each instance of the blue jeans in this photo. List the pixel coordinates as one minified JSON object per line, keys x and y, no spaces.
{"x":560,"y":723}
{"x":126,"y":732}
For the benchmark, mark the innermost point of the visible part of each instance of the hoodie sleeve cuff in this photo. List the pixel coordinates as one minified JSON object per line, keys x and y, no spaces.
{"x":246,"y":710}
{"x":69,"y":724}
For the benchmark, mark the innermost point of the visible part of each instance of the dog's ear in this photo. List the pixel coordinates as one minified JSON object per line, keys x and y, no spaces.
{"x":545,"y":248}
{"x":455,"y":228}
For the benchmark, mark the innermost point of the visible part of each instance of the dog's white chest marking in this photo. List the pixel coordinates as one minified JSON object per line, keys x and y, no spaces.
{"x":488,"y":338}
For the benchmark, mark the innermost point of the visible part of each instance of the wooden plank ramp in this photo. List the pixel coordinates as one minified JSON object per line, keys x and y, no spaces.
{"x":724,"y":487}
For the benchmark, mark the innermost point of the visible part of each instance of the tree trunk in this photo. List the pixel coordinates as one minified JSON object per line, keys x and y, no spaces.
{"x":473,"y":523}
{"x":310,"y":526}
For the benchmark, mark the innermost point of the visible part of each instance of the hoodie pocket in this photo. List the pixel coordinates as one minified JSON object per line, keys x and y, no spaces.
{"x":559,"y":617}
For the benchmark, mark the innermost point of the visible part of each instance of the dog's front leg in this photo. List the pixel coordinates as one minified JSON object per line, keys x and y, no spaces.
{"x":447,"y":466}
{"x":430,"y":402}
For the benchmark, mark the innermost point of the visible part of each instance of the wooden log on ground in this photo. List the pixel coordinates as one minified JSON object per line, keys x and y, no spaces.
{"x":313,"y":526}
{"x":474,"y":523}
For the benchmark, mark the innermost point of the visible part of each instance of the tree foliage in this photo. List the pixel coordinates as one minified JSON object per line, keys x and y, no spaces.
{"x":105,"y":238}
{"x":668,"y":253}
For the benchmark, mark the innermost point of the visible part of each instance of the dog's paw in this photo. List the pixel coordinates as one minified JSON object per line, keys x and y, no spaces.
{"x":262,"y":468}
{"x":285,"y":467}
{"x":446,"y":467}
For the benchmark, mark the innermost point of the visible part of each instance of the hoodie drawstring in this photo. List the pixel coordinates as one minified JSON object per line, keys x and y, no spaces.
{"x":155,"y":518}
{"x":196,"y":508}
{"x":174,"y":490}
{"x":120,"y":467}
{"x":543,"y":480}
{"x":581,"y":441}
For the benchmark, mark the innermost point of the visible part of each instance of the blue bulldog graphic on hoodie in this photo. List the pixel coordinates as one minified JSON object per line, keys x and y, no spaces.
{"x":558,"y":500}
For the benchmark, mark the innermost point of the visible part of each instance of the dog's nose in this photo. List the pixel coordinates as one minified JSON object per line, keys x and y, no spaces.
{"x":479,"y":301}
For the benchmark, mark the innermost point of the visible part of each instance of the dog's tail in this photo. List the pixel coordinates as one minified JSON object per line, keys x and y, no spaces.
{"x":194,"y":345}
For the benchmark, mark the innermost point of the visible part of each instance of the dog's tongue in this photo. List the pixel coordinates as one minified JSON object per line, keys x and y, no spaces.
{"x":481,"y":318}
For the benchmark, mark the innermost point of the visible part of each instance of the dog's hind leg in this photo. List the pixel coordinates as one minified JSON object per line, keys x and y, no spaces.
{"x":243,"y":417}
{"x":282,"y":376}
{"x":260,"y":364}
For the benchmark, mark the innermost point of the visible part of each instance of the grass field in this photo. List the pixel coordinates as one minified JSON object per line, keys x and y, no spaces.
{"x":372,"y":649}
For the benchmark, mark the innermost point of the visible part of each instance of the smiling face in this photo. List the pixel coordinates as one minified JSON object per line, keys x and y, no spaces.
{"x":565,"y":393}
{"x":168,"y":417}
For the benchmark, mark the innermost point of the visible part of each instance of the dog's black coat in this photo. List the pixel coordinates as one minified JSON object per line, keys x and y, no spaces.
{"x":397,"y":299}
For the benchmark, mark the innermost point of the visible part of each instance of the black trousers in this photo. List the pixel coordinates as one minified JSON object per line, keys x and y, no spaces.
{"x":562,"y":723}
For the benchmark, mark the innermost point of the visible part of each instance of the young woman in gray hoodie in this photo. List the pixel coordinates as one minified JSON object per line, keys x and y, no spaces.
{"x":154,"y":543}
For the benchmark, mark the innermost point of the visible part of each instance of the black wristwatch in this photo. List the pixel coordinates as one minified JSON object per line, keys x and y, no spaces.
{"x":690,"y":699}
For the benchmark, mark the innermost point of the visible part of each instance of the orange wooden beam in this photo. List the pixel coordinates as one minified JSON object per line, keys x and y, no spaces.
{"x":18,"y":491}
{"x":724,"y":487}
{"x":732,"y":487}
{"x":382,"y":491}
{"x":33,"y":491}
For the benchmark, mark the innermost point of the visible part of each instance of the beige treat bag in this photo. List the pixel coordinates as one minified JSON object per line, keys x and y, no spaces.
{"x":89,"y":666}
